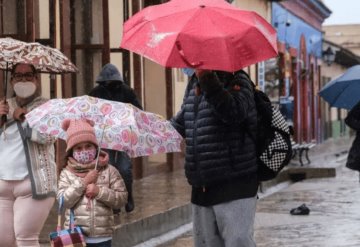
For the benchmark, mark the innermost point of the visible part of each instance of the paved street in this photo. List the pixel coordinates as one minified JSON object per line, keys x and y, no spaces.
{"x":333,"y":220}
{"x":163,"y":204}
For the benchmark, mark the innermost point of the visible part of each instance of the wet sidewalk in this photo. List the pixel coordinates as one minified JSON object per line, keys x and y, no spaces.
{"x":333,"y":220}
{"x":334,"y":216}
{"x":162,"y":203}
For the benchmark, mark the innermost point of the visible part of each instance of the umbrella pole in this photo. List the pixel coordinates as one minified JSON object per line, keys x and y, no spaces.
{"x":4,"y":117}
{"x":99,"y":148}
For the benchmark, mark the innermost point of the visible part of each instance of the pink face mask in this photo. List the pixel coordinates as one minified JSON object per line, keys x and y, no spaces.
{"x":84,"y":156}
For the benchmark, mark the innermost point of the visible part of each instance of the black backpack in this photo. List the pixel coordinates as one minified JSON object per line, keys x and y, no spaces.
{"x":273,"y":137}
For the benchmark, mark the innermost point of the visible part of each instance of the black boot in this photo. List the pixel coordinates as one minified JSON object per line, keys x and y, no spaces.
{"x":130,"y":203}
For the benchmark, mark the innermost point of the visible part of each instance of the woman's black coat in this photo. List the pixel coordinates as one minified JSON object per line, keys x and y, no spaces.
{"x":353,"y":121}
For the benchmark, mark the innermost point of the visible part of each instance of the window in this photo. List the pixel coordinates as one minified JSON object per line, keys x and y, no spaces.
{"x":88,"y":41}
{"x":13,"y":18}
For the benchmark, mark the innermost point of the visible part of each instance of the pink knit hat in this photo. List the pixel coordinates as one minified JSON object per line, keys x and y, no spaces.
{"x":79,"y":130}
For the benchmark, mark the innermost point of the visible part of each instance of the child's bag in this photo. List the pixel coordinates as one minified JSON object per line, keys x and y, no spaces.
{"x":71,"y":237}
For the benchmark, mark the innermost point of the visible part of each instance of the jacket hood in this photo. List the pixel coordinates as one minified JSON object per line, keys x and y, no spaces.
{"x":109,"y":73}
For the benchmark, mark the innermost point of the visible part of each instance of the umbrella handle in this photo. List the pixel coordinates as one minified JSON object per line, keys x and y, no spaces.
{"x":183,"y":57}
{"x":99,"y":148}
{"x":3,"y":119}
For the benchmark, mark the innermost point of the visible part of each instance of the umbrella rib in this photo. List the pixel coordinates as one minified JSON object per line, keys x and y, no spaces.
{"x":227,"y":46}
{"x":230,"y":17}
{"x":149,"y":21}
{"x":161,"y":17}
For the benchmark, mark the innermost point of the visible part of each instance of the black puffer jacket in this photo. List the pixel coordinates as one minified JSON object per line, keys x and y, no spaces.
{"x":116,"y":91}
{"x":216,"y":129}
{"x":353,"y":121}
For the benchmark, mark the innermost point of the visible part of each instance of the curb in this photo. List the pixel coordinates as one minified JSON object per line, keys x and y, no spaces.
{"x":145,"y":229}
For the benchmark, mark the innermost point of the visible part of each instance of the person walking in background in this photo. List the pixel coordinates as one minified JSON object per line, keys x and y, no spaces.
{"x":112,"y":87}
{"x":353,"y":121}
{"x":217,"y":117}
{"x":27,"y":170}
{"x":91,"y":193}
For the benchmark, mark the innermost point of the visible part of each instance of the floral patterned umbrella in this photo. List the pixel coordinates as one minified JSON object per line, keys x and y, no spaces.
{"x":44,"y":58}
{"x":118,"y":126}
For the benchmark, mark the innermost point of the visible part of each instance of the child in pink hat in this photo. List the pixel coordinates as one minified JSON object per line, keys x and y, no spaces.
{"x":91,"y":193}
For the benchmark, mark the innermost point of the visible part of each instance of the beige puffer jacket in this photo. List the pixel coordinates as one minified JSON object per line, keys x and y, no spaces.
{"x":95,"y":217}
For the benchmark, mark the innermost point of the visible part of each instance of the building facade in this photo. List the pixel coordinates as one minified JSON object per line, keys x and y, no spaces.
{"x":89,"y":32}
{"x":347,"y":36}
{"x":293,"y":79}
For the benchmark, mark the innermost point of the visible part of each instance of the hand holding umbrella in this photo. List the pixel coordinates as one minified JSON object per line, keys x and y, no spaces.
{"x":92,"y":190}
{"x":90,"y":177}
{"x":118,"y":126}
{"x":4,"y":110}
{"x":44,"y":59}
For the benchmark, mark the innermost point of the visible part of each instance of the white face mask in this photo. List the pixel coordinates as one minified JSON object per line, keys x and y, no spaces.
{"x":24,"y":89}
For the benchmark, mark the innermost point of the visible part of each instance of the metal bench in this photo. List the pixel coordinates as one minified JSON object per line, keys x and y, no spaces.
{"x":300,"y":149}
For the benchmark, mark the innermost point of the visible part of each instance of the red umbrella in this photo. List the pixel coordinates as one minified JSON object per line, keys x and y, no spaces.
{"x":204,"y":34}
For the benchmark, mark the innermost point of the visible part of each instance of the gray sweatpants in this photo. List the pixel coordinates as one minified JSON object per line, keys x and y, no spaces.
{"x":229,"y":224}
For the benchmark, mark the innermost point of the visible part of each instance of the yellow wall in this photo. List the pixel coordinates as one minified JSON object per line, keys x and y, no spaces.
{"x":180,"y":82}
{"x":116,"y":22}
{"x":332,"y":71}
{"x":347,"y":36}
{"x":43,"y":33}
{"x":259,"y":6}
{"x":155,"y":95}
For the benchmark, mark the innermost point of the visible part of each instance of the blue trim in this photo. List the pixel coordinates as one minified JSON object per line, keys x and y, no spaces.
{"x":291,"y":34}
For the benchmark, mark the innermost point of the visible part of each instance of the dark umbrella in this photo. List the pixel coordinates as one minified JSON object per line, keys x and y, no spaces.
{"x":344,"y":91}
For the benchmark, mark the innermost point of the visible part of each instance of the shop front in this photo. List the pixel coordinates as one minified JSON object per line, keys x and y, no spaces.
{"x":292,"y":79}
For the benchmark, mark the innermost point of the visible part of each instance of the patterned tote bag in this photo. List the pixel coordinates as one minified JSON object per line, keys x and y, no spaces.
{"x":71,"y":237}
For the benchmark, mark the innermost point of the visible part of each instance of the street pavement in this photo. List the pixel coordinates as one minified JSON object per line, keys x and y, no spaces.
{"x":163,"y":210}
{"x":333,"y":220}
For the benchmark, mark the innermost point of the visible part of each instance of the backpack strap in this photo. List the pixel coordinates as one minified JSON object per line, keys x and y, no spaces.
{"x":244,"y":77}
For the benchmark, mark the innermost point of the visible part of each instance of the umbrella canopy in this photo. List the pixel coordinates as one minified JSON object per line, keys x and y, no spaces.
{"x":344,"y":91}
{"x":44,"y":58}
{"x":118,"y":126}
{"x":204,"y":34}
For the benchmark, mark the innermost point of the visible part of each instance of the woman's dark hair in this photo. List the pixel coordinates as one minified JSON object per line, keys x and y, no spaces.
{"x":32,"y":68}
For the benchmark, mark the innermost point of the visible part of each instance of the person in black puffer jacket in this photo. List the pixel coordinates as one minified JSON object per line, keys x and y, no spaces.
{"x":217,"y":119}
{"x":111,"y":86}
